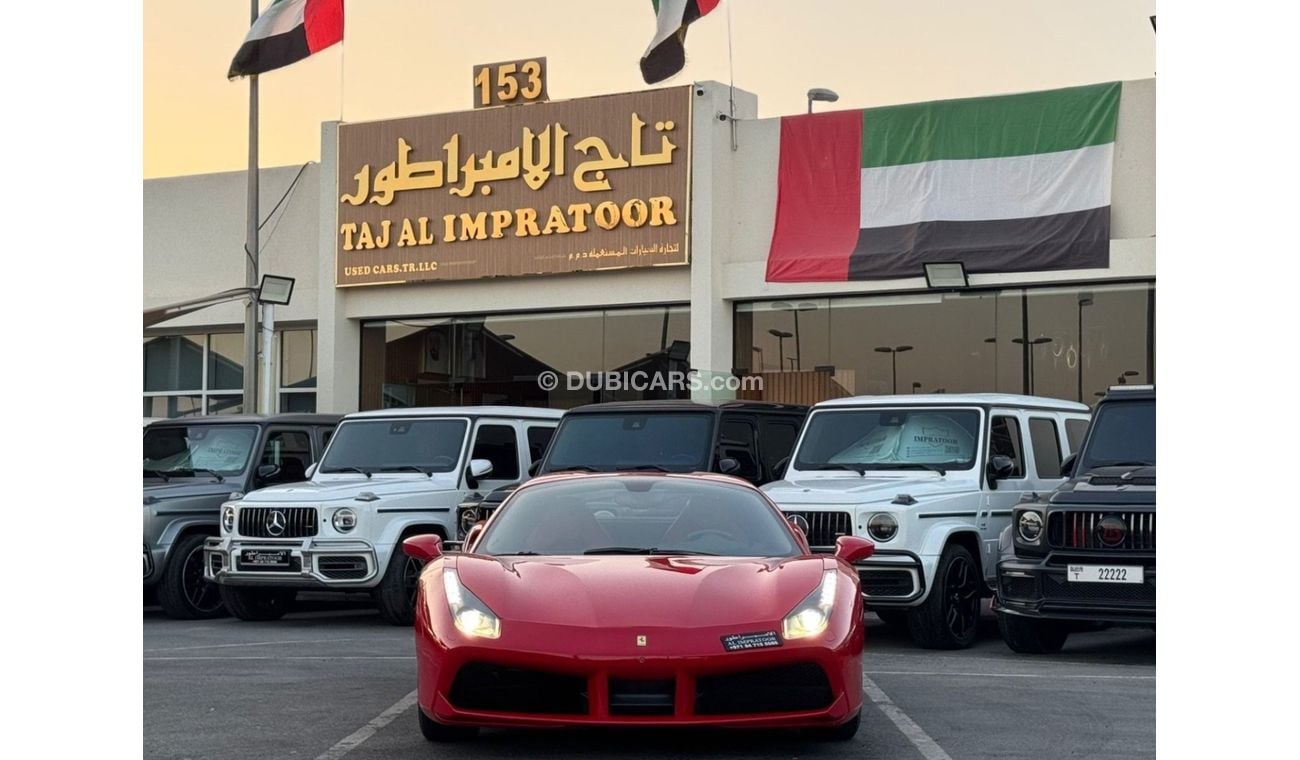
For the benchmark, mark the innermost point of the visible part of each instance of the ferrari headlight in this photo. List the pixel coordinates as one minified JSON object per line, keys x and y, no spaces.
{"x":228,"y":519}
{"x":813,"y":614}
{"x":471,"y":616}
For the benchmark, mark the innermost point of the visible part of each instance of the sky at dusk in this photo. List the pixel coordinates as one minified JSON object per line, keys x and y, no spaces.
{"x":407,"y":57}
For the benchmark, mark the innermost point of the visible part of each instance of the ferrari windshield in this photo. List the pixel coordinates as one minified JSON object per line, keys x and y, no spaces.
{"x":396,"y":445}
{"x":186,"y":451}
{"x":673,"y":442}
{"x":890,"y":439}
{"x":638,"y":514}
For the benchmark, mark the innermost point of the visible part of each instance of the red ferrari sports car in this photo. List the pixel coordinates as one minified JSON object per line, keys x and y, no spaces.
{"x":641,"y":599}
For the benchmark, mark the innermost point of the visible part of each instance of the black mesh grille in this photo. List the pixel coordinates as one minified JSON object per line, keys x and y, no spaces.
{"x":825,"y":527}
{"x":342,"y":568}
{"x":262,"y":522}
{"x":1080,"y":530}
{"x":790,"y":688}
{"x":1013,"y":587}
{"x":629,"y":697}
{"x":493,"y":688}
{"x":1122,"y":593}
{"x":877,"y":582}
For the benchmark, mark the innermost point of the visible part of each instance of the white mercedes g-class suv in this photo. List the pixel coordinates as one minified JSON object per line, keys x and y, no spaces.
{"x":386,"y":475}
{"x":931,"y":479}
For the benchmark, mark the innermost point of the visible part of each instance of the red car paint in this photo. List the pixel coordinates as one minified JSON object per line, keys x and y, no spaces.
{"x":611,"y":619}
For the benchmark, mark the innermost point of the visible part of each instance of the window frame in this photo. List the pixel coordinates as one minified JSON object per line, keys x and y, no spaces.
{"x":1017,"y":442}
{"x":1054,"y":437}
{"x":206,"y":393}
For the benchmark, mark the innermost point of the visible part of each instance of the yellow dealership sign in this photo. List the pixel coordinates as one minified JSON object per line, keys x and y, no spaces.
{"x":545,"y":188}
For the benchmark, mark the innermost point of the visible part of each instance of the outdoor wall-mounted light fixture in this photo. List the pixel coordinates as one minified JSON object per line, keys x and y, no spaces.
{"x":946,"y":274}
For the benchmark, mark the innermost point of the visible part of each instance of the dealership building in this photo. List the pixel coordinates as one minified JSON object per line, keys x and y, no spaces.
{"x":460,"y":258}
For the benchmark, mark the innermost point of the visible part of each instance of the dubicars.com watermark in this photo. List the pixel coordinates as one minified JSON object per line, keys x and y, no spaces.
{"x":692,"y":381}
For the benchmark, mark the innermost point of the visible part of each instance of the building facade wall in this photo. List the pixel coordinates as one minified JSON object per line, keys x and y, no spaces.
{"x":194,"y":230}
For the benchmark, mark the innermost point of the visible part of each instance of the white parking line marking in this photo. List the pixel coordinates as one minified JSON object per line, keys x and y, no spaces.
{"x":1053,"y":677}
{"x":928,"y":748}
{"x":354,"y":739}
{"x":245,"y":644}
{"x":286,"y":657}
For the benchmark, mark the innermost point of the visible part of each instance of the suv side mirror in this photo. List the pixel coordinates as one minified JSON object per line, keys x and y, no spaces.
{"x":426,"y":547}
{"x":778,"y":472}
{"x":1067,"y":466}
{"x":534,"y":467}
{"x":853,"y":549}
{"x":476,"y":469}
{"x":1001,"y":466}
{"x":267,"y":471}
{"x":728,"y":466}
{"x":311,"y":470}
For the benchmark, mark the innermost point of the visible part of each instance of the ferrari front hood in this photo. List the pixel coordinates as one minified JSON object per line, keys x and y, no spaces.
{"x":640,"y":591}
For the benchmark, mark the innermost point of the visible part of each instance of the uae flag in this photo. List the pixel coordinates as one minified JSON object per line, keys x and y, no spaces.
{"x":667,"y":52}
{"x":287,"y":32}
{"x":1010,"y":183}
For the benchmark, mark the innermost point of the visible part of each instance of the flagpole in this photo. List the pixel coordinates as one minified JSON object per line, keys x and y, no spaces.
{"x":251,"y":248}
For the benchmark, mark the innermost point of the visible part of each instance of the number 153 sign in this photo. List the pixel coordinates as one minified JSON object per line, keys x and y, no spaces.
{"x":510,"y":82}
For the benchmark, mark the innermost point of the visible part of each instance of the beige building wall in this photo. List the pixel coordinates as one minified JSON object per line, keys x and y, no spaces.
{"x":194,"y":231}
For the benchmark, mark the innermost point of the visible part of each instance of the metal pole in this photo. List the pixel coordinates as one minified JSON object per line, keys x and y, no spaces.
{"x":270,"y":403}
{"x":893,"y":355}
{"x":1026,"y":354}
{"x":250,"y":244}
{"x":798,"y":349}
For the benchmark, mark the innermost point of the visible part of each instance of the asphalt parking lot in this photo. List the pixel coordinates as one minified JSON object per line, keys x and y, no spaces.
{"x":331,"y":680}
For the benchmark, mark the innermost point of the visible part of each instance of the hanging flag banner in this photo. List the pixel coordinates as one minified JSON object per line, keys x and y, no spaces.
{"x":666,"y":55}
{"x":544,"y":188}
{"x":287,"y":32}
{"x":1011,"y":183}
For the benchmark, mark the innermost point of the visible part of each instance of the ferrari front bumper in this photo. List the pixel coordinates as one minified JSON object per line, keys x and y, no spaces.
{"x":794,"y":685}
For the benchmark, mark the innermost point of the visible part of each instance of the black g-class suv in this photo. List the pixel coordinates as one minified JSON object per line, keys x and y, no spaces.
{"x":1087,"y":554}
{"x":748,"y":439}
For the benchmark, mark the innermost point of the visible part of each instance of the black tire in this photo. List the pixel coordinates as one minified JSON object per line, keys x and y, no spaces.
{"x":842,"y":733}
{"x":441,"y":732}
{"x":183,"y":592}
{"x":894,"y":618}
{"x":395,"y":594}
{"x":950,"y":616}
{"x":257,"y":603}
{"x":1032,"y":636}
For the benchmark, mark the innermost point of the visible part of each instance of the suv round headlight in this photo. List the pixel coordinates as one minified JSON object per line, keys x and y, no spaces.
{"x":344,"y":520}
{"x":228,"y":519}
{"x":1029,"y":526}
{"x":882,"y":526}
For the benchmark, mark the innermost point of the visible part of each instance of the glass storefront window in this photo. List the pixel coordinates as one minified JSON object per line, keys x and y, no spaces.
{"x":1022,"y":340}
{"x":173,"y":406}
{"x":173,"y":363}
{"x":298,"y":359}
{"x":189,"y":375}
{"x":498,"y":359}
{"x":226,"y":361}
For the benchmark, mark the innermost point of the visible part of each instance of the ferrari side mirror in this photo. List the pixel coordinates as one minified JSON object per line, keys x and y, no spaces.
{"x":426,"y":547}
{"x":853,"y":549}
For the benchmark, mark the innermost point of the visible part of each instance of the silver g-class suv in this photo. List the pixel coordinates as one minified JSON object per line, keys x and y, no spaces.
{"x":387,"y":475}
